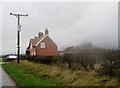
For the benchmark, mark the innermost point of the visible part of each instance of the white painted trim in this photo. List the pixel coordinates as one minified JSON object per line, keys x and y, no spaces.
{"x":41,"y":40}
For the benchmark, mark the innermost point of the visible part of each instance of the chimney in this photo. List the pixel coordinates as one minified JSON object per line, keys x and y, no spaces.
{"x":40,"y":34}
{"x":35,"y":37}
{"x":46,"y":32}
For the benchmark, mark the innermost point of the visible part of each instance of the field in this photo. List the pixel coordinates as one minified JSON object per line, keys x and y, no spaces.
{"x":33,"y":74}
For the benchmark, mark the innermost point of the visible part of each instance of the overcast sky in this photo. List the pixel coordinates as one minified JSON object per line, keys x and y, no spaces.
{"x":69,"y":23}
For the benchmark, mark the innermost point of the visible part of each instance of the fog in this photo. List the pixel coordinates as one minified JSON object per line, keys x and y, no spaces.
{"x":69,"y":23}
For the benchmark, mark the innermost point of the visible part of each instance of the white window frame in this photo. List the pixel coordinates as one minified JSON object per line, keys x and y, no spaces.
{"x":42,"y":45}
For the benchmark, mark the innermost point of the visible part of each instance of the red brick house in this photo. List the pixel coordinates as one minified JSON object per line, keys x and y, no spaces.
{"x":42,"y":45}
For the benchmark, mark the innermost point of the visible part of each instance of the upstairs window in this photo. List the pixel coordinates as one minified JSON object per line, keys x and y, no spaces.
{"x":42,"y":45}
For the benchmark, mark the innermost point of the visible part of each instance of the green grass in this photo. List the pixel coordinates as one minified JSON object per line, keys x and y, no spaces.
{"x":33,"y":74}
{"x":1,"y":59}
{"x":22,"y":78}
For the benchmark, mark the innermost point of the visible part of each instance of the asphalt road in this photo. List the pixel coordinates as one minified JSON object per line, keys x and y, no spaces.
{"x":5,"y":79}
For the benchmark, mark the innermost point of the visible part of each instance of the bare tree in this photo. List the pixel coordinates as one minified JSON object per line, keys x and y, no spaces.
{"x":80,"y":55}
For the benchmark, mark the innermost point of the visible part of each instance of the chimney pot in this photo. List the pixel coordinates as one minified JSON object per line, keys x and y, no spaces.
{"x":35,"y":37}
{"x":46,"y":32}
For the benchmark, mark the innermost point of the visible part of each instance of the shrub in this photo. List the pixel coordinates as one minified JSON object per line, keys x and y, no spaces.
{"x":79,"y":55}
{"x":110,"y":64}
{"x":43,"y":59}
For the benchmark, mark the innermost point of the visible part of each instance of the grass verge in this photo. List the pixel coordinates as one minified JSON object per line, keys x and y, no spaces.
{"x":23,"y":78}
{"x":1,"y":59}
{"x":33,"y":74}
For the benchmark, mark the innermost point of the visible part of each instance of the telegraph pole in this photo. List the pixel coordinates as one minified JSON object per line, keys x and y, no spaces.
{"x":18,"y":33}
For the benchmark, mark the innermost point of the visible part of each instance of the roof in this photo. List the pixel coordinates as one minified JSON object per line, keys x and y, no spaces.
{"x":36,"y":41}
{"x":41,"y":39}
{"x":10,"y":56}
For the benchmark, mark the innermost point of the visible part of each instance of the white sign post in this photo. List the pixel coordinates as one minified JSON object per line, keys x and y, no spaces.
{"x":18,"y":27}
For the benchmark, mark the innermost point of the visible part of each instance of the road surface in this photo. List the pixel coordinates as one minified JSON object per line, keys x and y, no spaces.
{"x":5,"y":79}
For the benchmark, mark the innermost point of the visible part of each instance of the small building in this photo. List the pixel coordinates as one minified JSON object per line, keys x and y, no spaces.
{"x":42,"y":45}
{"x":10,"y":57}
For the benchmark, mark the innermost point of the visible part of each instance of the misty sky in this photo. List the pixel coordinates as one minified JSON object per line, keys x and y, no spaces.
{"x":69,"y":23}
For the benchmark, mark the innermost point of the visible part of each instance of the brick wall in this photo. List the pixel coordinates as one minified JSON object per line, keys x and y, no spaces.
{"x":49,"y":50}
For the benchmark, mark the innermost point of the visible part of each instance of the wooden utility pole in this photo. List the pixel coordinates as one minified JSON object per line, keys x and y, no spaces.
{"x":18,"y":33}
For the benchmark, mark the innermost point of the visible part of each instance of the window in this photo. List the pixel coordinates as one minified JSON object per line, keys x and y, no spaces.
{"x":42,"y":45}
{"x":34,"y":53}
